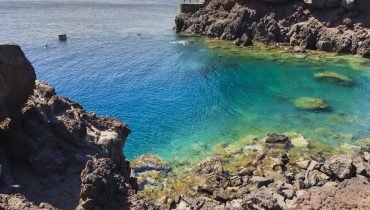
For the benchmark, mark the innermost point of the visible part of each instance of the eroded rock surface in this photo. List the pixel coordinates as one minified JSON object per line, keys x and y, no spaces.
{"x":46,"y":144}
{"x":17,"y":79}
{"x":327,"y":25}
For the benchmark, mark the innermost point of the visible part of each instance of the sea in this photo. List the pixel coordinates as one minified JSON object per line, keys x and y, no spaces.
{"x":123,"y":59}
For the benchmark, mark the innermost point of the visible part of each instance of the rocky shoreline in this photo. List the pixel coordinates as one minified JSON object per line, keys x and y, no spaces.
{"x":276,"y":181}
{"x":298,"y":25}
{"x":285,"y":172}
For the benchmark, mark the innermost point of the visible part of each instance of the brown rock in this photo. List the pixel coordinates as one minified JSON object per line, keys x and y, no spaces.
{"x":211,"y":166}
{"x":350,"y":194}
{"x":339,"y":167}
{"x":263,"y":198}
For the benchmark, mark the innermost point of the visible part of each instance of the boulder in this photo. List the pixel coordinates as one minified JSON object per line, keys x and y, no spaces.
{"x":364,"y":48}
{"x":263,"y":198}
{"x":311,"y":104}
{"x":339,"y":167}
{"x":334,"y":77}
{"x":324,"y":46}
{"x":304,"y":34}
{"x":211,"y":166}
{"x":208,"y":183}
{"x":17,"y":79}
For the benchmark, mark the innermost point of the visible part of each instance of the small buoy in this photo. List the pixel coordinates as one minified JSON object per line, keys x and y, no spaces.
{"x":62,"y":37}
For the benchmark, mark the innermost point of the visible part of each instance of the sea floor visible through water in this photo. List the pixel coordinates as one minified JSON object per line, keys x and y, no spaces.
{"x":253,"y":94}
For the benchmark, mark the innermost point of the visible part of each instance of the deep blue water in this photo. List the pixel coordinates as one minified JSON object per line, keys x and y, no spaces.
{"x":172,"y":95}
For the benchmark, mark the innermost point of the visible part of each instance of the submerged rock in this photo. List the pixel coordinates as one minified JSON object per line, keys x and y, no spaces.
{"x":311,"y":104}
{"x":149,"y":162}
{"x":277,"y":140}
{"x":334,"y":77}
{"x":299,"y":142}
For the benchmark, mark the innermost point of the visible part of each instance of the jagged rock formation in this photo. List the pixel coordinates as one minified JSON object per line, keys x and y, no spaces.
{"x":46,"y":144}
{"x":275,"y":181}
{"x":327,"y":25}
{"x":17,"y":79}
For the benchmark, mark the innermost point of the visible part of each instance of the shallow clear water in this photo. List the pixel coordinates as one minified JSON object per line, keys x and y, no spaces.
{"x":172,"y":95}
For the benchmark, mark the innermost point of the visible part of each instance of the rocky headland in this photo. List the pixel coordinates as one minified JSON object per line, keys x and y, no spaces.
{"x":54,"y":154}
{"x":340,"y":26}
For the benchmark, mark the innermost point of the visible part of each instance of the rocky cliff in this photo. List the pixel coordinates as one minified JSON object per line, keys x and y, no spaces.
{"x":340,"y":26}
{"x":54,"y":154}
{"x":17,"y":79}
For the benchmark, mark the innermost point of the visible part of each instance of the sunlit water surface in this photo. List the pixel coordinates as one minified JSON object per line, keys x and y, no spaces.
{"x":175,"y":94}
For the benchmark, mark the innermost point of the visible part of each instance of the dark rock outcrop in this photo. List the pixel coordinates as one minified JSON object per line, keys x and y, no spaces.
{"x":46,"y":144}
{"x":327,"y":25}
{"x":17,"y":79}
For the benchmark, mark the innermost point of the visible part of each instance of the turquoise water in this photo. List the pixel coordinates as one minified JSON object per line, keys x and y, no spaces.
{"x":174,"y":95}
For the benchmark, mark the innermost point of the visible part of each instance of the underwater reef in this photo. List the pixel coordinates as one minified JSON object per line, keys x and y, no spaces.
{"x":340,"y":26}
